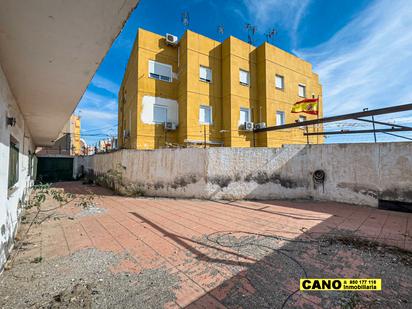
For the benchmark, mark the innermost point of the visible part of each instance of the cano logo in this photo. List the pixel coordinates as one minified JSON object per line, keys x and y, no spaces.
{"x":340,"y":284}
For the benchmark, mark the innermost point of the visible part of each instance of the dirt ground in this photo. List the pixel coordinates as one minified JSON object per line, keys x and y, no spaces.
{"x":123,"y":252}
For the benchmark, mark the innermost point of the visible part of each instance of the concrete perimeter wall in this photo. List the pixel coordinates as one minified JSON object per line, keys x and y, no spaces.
{"x":355,"y":173}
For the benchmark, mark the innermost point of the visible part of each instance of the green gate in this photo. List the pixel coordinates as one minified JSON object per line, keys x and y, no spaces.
{"x":51,"y":169}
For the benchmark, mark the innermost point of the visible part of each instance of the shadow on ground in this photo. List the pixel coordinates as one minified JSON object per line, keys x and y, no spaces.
{"x":266,"y":268}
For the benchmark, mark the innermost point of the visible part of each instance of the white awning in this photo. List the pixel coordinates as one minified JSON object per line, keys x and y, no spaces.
{"x":50,"y":50}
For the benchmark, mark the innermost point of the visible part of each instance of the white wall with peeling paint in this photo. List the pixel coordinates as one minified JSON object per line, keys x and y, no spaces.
{"x":10,"y":199}
{"x":355,"y":173}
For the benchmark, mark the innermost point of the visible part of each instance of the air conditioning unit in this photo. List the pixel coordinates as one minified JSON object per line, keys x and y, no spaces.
{"x":260,"y":125}
{"x":170,"y":126}
{"x":248,"y":126}
{"x":171,"y":39}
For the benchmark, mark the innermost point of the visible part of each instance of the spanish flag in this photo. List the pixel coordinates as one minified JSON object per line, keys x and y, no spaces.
{"x":308,"y":106}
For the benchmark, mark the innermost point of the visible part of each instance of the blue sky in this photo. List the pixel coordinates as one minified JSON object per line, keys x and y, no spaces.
{"x":362,"y":51}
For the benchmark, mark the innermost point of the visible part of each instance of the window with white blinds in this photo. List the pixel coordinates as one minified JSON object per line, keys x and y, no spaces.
{"x":205,"y":74}
{"x":280,"y":118}
{"x":244,"y":115}
{"x":205,"y":114}
{"x":160,"y":71}
{"x":244,"y":77}
{"x":279,"y":82}
{"x":302,"y":91}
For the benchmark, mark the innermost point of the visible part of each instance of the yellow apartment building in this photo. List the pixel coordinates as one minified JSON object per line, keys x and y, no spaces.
{"x":68,"y":141}
{"x":198,"y":91}
{"x":75,"y":135}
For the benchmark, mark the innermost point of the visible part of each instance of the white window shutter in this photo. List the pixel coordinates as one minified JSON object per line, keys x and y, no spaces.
{"x":205,"y":114}
{"x":205,"y":74}
{"x":279,"y":81}
{"x":302,"y":91}
{"x":280,"y":118}
{"x":244,"y":77}
{"x":244,"y":115}
{"x":161,"y":69}
{"x":202,"y":115}
{"x":202,"y":73}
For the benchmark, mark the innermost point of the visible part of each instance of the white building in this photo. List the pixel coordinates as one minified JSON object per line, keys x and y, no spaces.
{"x":49,"y":51}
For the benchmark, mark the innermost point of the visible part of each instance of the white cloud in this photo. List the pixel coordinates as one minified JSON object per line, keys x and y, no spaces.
{"x":90,"y":115}
{"x":98,"y":116}
{"x":106,"y":84}
{"x":266,"y":14}
{"x":368,"y":62}
{"x":97,"y":124}
{"x":91,"y":98}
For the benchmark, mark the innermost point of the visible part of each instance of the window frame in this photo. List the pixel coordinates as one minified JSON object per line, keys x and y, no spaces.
{"x":160,"y":77}
{"x":302,"y":117}
{"x":204,"y":79}
{"x":30,"y":162}
{"x":13,"y":173}
{"x":304,"y":90}
{"x":210,"y":114}
{"x":248,"y":110}
{"x":283,"y":118}
{"x":161,"y":107}
{"x":283,"y":81}
{"x":248,"y":78}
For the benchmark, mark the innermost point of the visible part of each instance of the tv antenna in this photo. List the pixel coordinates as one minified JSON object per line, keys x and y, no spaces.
{"x":251,"y":30}
{"x":221,"y":30}
{"x":185,"y":19}
{"x":270,"y":35}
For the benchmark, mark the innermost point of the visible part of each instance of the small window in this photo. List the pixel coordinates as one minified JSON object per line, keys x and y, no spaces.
{"x":13,"y":163}
{"x":302,"y":91}
{"x":205,"y":74}
{"x":279,"y":82}
{"x":301,"y":119}
{"x":159,"y":114}
{"x":280,"y":118}
{"x":244,"y":115}
{"x":244,"y":77}
{"x":160,"y":71}
{"x":205,"y":114}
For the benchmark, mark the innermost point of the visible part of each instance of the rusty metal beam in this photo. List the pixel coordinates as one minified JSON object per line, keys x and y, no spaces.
{"x":359,"y":131}
{"x":374,"y":112}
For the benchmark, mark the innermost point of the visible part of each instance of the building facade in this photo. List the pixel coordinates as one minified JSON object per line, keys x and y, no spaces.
{"x":68,"y":142}
{"x":206,"y":90}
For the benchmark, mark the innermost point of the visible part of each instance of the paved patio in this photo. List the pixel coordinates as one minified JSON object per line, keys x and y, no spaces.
{"x":210,"y":254}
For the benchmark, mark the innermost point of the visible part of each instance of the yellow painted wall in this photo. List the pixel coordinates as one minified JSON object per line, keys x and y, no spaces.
{"x":224,"y":94}
{"x":201,"y":51}
{"x":127,"y":103}
{"x":75,"y":134}
{"x":274,"y":61}
{"x":238,"y":55}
